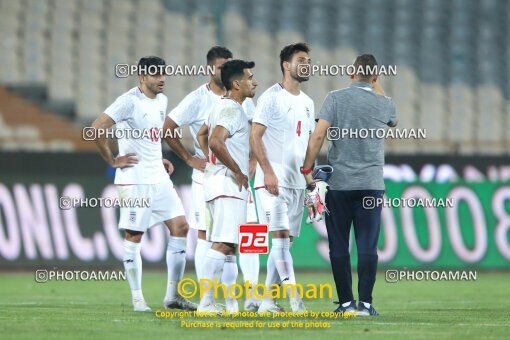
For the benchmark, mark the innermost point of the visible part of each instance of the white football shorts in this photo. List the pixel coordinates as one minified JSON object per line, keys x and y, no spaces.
{"x":165,"y":204}
{"x":200,"y":211}
{"x":251,"y":210}
{"x":227,"y":214}
{"x":198,"y":206}
{"x":282,"y":212}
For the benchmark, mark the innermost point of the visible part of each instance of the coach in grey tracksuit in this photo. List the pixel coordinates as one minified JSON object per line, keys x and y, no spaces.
{"x":358,"y":174}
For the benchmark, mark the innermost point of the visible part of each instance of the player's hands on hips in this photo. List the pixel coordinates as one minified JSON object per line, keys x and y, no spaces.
{"x":196,"y":163}
{"x":169,"y":167}
{"x":242,"y":180}
{"x":125,"y":161}
{"x":271,"y":183}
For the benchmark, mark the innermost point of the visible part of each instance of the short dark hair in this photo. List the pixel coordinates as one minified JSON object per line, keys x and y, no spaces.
{"x":288,"y":51}
{"x":145,"y":62}
{"x":368,"y":63}
{"x":234,"y":70}
{"x":217,"y":52}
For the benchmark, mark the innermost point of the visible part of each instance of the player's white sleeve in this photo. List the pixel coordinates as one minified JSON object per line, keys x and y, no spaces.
{"x":265,"y":110}
{"x":121,"y":109}
{"x":230,"y":119}
{"x":187,"y":111}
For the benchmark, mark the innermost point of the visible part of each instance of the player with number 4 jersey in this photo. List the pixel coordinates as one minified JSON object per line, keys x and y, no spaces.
{"x":281,"y":127}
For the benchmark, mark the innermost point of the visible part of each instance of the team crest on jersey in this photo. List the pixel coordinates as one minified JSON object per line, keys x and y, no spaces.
{"x":162,"y":114}
{"x":307,"y":112}
{"x":132,"y":216}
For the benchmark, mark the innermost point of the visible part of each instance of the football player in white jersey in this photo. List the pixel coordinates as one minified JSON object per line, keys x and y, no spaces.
{"x":226,"y":188}
{"x":283,"y":120}
{"x":193,"y":111}
{"x":141,"y":174}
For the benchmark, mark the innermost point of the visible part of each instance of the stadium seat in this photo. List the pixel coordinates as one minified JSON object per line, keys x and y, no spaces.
{"x":121,"y":7}
{"x":431,"y":101}
{"x":461,"y":118}
{"x":26,"y":132}
{"x":59,"y":145}
{"x":6,"y":133}
{"x":490,"y":119}
{"x":451,"y":56}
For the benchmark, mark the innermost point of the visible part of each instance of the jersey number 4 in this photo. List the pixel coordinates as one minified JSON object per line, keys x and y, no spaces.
{"x":298,"y":128}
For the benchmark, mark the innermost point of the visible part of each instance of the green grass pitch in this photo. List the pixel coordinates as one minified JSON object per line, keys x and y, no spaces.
{"x":102,"y":310}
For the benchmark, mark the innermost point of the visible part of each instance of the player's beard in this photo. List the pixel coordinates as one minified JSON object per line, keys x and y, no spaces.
{"x":296,"y":77}
{"x":300,"y":79}
{"x":218,"y":82}
{"x":155,"y":88}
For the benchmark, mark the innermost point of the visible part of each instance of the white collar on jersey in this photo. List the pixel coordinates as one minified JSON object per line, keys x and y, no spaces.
{"x":235,"y":101}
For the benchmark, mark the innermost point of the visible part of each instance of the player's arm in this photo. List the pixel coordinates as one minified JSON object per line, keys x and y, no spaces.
{"x":103,"y":123}
{"x":393,"y":116}
{"x":203,"y":141}
{"x":219,"y":148}
{"x":252,"y":165}
{"x":314,"y":146}
{"x":175,"y":144}
{"x":169,"y":167}
{"x":376,"y":84}
{"x":378,"y":87}
{"x":259,"y":151}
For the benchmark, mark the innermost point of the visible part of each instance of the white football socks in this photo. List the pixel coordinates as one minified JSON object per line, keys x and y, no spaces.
{"x":272,"y":273}
{"x":284,"y":265}
{"x":212,"y":270}
{"x":201,"y":250}
{"x":230,"y":271}
{"x":133,"y":266}
{"x":228,"y":278}
{"x":175,"y":261}
{"x":250,"y":267}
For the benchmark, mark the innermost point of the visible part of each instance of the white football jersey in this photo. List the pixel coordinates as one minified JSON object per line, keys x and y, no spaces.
{"x":289,"y":120}
{"x":194,"y":110}
{"x":134,"y":110}
{"x":219,"y":181}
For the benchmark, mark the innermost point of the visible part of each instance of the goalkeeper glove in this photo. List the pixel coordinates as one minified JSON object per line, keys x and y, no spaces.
{"x":315,"y":199}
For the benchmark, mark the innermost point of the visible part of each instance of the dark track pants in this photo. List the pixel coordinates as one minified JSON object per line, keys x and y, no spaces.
{"x":346,"y":208}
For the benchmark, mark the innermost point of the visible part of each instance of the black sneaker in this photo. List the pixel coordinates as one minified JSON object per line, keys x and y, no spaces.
{"x":364,"y":311}
{"x":350,"y":308}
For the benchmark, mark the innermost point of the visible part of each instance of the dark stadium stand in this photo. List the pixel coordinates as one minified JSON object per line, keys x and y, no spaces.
{"x":452,"y":57}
